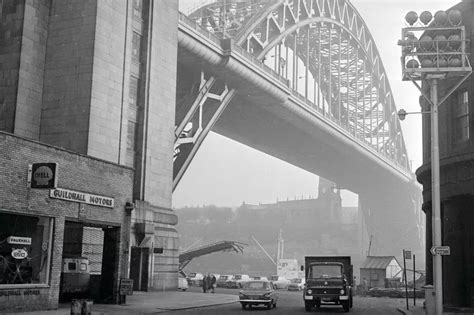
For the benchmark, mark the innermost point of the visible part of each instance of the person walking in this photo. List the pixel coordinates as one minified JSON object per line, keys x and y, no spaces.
{"x":213,"y":283}
{"x":204,"y":284}
{"x":365,"y":287}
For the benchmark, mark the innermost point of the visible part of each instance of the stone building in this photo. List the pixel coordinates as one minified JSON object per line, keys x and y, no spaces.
{"x":456,"y":147}
{"x":88,"y":86}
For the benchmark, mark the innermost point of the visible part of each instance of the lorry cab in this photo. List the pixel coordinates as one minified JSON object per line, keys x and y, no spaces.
{"x":328,"y":280}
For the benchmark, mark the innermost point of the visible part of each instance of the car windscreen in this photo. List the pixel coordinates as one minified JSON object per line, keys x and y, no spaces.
{"x":238,"y":277}
{"x":296,"y":281}
{"x":251,"y":285}
{"x":223,"y":277}
{"x":325,"y":271}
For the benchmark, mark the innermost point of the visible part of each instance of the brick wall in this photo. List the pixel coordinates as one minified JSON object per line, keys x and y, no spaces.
{"x":76,"y":172}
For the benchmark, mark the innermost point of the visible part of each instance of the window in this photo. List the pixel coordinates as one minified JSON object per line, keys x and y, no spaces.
{"x":133,"y":91}
{"x":25,"y":248}
{"x":136,"y":43}
{"x":462,"y":117}
{"x":137,"y":8}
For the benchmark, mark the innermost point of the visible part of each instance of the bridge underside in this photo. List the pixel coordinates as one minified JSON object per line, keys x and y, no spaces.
{"x":286,"y":131}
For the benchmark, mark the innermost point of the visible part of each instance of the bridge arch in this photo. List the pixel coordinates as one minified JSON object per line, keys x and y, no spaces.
{"x":343,"y":75}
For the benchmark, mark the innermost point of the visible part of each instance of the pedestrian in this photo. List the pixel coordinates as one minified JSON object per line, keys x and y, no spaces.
{"x":213,"y":283}
{"x":208,"y":282}
{"x":204,"y":284}
{"x":365,"y":287}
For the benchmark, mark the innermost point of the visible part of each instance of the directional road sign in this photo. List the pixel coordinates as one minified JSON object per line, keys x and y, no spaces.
{"x":440,"y":250}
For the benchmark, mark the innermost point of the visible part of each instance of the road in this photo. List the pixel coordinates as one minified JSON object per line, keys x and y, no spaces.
{"x":291,"y":302}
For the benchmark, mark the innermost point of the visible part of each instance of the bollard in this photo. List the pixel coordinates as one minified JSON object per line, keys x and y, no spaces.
{"x":76,"y":307}
{"x":87,"y":307}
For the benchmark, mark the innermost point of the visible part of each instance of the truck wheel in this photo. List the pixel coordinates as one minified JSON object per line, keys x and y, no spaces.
{"x":345,"y":306}
{"x":269,"y":305}
{"x":244,"y":306}
{"x":308,"y":306}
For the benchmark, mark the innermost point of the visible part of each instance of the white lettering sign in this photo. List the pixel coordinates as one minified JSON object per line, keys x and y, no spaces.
{"x":19,"y":240}
{"x":76,"y":196}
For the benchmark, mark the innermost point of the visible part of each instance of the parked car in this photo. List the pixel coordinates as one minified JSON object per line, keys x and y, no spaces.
{"x":258,"y":292}
{"x":222,"y":281}
{"x":296,"y":284}
{"x":182,"y":283}
{"x":238,"y":281}
{"x":279,"y":281}
{"x":195,"y":279}
{"x":258,"y":278}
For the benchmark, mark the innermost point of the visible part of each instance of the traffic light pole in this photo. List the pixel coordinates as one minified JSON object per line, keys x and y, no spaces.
{"x":435,"y":198}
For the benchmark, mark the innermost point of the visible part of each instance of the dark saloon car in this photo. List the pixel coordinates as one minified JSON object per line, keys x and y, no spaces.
{"x":258,"y":292}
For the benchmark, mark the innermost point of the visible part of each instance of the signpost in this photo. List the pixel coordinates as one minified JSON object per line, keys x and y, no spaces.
{"x":440,"y":250}
{"x":126,"y":288}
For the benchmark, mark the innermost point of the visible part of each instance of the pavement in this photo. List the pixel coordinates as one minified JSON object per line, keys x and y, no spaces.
{"x":412,"y":310}
{"x":150,"y":303}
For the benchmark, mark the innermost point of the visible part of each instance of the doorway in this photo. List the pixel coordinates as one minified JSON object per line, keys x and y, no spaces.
{"x":95,"y":248}
{"x":139,"y":267}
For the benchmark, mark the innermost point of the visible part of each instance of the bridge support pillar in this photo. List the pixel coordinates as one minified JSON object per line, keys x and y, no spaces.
{"x":389,"y":226}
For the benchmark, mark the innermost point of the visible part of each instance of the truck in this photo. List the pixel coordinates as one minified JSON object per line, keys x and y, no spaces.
{"x":328,"y":280}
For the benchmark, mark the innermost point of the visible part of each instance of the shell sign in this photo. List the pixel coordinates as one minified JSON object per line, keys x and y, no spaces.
{"x":44,"y":175}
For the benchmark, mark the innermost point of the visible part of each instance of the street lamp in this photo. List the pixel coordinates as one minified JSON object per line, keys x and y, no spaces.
{"x":438,"y":54}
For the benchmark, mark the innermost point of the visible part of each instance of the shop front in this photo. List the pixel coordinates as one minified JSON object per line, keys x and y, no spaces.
{"x":64,"y":226}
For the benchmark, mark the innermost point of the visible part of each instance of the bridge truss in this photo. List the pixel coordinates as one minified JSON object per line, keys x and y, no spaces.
{"x":323,"y":50}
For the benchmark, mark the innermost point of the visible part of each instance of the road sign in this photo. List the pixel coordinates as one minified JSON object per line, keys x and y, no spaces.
{"x":440,"y":250}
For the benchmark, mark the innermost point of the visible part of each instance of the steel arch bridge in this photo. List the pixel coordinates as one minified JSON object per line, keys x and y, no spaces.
{"x":325,"y":51}
{"x":322,"y":52}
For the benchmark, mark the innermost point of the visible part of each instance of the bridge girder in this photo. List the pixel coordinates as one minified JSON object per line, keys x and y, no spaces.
{"x":343,"y":70}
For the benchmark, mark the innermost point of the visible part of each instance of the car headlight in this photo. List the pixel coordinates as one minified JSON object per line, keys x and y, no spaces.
{"x":267,"y":295}
{"x":242,"y":295}
{"x":342,"y":291}
{"x":309,"y":291}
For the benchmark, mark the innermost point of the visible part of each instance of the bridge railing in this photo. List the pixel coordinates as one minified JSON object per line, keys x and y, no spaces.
{"x":217,"y":40}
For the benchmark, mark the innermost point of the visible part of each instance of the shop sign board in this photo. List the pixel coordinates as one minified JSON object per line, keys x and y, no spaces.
{"x":126,"y":286}
{"x":81,"y":197}
{"x":43,"y":175}
{"x":19,"y":240}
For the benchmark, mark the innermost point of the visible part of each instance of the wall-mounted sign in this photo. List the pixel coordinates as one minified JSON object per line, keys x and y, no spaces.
{"x":43,"y":175}
{"x":19,"y":253}
{"x":19,"y":240}
{"x":77,"y":196}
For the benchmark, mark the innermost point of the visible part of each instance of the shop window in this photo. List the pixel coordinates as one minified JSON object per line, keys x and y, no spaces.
{"x":25,"y":249}
{"x":462,"y":117}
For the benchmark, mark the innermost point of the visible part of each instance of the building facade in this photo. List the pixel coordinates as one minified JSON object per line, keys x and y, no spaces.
{"x":94,"y":81}
{"x":456,"y":146}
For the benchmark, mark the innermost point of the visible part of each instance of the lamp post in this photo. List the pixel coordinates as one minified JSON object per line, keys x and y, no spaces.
{"x":432,"y":58}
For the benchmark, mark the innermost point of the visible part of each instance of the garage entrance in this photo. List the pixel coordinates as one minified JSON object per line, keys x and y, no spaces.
{"x":90,"y":261}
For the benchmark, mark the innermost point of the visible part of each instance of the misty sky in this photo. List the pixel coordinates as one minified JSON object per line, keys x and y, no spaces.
{"x":227,"y":173}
